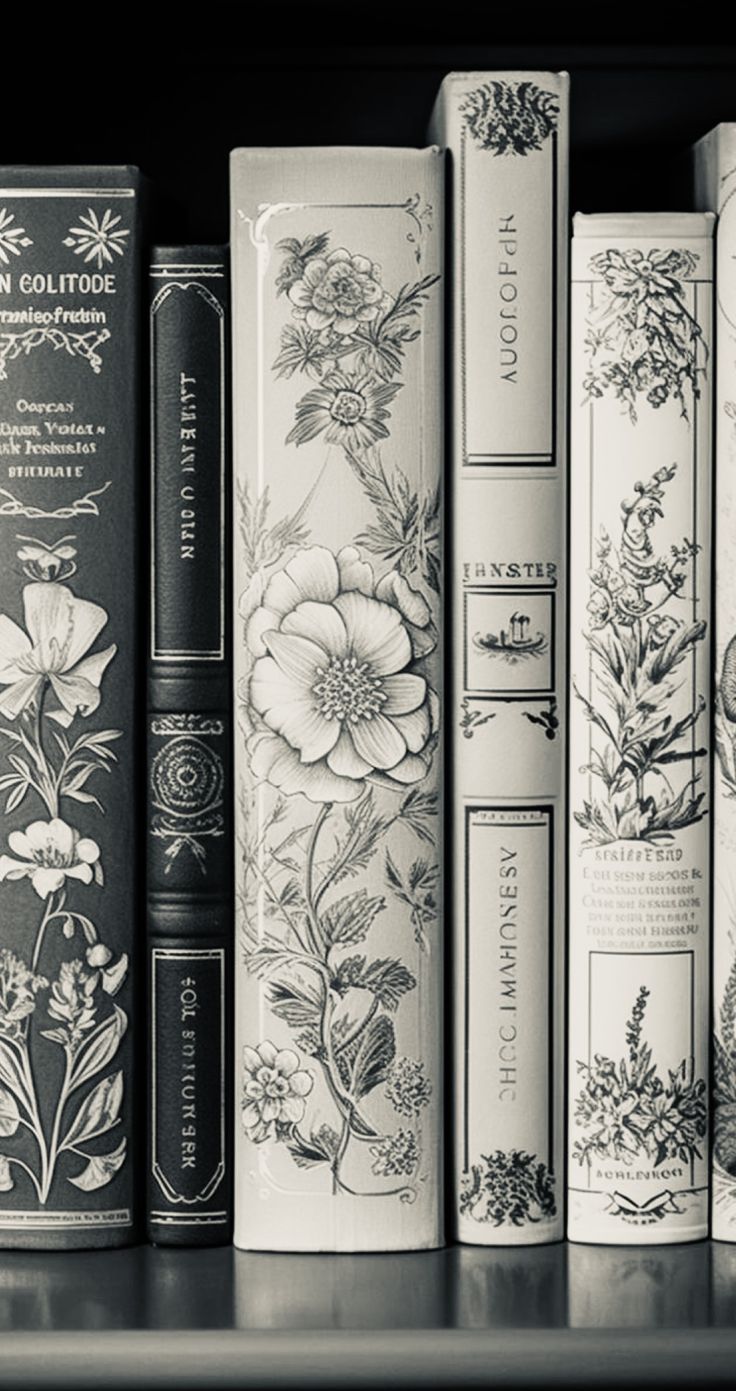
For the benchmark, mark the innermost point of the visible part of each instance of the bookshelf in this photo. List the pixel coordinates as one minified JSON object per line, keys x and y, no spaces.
{"x":175,"y":103}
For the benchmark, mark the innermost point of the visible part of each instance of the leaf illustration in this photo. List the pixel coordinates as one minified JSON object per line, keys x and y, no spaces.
{"x":375,"y":1056}
{"x":309,"y":1153}
{"x":11,"y":1074}
{"x":297,"y":1004}
{"x":9,"y":1114}
{"x":99,"y":1048}
{"x":98,"y":1112}
{"x":417,"y":810}
{"x":350,"y":918}
{"x":387,"y":979}
{"x":15,"y":797}
{"x":100,"y":1169}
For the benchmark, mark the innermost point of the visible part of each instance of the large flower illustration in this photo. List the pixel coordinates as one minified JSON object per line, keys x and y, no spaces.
{"x":349,"y":408}
{"x":48,"y":853}
{"x":334,"y":685}
{"x":338,"y":292}
{"x":274,"y":1089}
{"x":641,"y":276}
{"x":60,"y":631}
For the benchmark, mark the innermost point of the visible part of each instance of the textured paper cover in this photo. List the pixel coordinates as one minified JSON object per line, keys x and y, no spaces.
{"x":715,"y":186}
{"x":639,"y":729}
{"x":337,"y":392}
{"x":508,"y":136}
{"x":69,"y":659}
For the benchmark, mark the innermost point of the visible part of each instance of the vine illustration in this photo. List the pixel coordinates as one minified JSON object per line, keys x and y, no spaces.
{"x":643,"y":340}
{"x":50,"y":677}
{"x":637,"y":644}
{"x":340,"y":718}
{"x":508,"y":1186}
{"x":629,"y":1111}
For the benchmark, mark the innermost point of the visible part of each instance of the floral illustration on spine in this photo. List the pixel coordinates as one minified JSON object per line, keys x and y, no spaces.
{"x":510,"y":118}
{"x":637,"y":642}
{"x":627,"y":1111}
{"x":508,"y":1187}
{"x":724,"y":1091}
{"x":51,"y":675}
{"x":98,"y":239}
{"x":12,"y":239}
{"x":340,"y":718}
{"x":642,"y":340}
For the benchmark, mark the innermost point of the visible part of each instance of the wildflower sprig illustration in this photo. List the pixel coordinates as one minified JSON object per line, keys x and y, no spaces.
{"x":350,"y":334}
{"x":627,"y":1110}
{"x":51,"y":674}
{"x":638,"y":641}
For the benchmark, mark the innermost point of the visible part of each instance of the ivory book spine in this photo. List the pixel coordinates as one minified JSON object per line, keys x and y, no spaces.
{"x":337,"y":294}
{"x":70,"y":668}
{"x":715,"y":186}
{"x":639,"y":873}
{"x":189,"y":824}
{"x":508,"y":138}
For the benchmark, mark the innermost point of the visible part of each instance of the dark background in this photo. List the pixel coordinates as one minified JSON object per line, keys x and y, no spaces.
{"x":174,"y":90}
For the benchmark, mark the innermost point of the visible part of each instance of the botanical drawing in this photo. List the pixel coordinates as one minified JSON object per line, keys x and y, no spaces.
{"x":638,"y":642}
{"x":510,"y":118}
{"x":340,"y":717}
{"x":508,"y":1186}
{"x":642,"y":339}
{"x":627,"y":1111}
{"x":51,"y":676}
{"x":724,"y":1090}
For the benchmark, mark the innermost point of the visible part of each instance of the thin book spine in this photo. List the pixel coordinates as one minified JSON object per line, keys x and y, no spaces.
{"x":70,"y":665}
{"x":337,"y":261}
{"x":189,"y":767}
{"x":508,"y":137}
{"x":715,"y":190}
{"x":639,"y":870}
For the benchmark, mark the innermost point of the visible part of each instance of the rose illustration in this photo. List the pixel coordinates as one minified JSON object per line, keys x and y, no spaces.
{"x":338,"y":292}
{"x":61,"y":631}
{"x":274,"y":1089}
{"x":334,"y":684}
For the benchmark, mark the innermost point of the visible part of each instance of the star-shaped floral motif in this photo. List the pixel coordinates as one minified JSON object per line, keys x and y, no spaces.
{"x":12,"y":239}
{"x":97,"y":238}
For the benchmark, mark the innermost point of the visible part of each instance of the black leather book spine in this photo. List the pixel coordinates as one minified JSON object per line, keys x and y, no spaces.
{"x":70,"y":662}
{"x":190,"y":897}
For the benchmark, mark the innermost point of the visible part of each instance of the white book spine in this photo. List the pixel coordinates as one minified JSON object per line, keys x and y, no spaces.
{"x":508,"y":137}
{"x":715,"y":188}
{"x":337,"y":298}
{"x":639,"y":878}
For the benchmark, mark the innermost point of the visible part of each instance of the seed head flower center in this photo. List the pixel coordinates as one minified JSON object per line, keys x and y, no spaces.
{"x":348,"y":690}
{"x":348,"y":407}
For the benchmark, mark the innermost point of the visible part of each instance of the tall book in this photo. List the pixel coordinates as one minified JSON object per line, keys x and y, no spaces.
{"x":508,"y":137}
{"x":715,"y":185}
{"x":337,"y":299}
{"x":189,"y":878}
{"x":639,"y":874}
{"x":69,"y":666}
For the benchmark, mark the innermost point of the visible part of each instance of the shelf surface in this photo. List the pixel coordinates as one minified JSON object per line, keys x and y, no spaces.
{"x":555,"y":1315}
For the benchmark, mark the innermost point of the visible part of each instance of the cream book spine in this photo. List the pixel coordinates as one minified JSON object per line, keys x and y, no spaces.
{"x":507,"y":134}
{"x":715,"y":187}
{"x":639,"y":876}
{"x":337,"y":300}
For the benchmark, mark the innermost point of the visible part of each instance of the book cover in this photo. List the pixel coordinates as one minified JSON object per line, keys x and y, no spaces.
{"x":508,"y":138}
{"x":639,"y":872}
{"x":715,"y":185}
{"x":70,"y":659}
{"x":189,"y":736}
{"x":337,"y":389}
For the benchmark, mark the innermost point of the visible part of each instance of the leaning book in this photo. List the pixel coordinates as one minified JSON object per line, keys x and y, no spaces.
{"x":69,"y":356}
{"x":508,"y":137}
{"x":715,"y":186}
{"x":337,"y":301}
{"x":639,"y":879}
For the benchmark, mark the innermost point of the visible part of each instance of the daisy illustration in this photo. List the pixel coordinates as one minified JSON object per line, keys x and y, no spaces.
{"x":349,"y":408}
{"x":97,"y":238}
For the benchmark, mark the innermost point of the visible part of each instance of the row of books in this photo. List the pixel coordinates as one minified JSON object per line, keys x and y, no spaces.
{"x":313,"y":590}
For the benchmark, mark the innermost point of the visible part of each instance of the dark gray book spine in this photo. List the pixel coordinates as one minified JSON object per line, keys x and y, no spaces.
{"x":69,"y":452}
{"x":190,"y":902}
